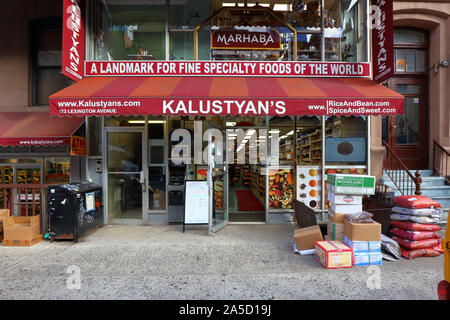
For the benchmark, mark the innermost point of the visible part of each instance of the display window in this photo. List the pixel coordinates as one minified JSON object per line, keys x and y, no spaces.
{"x":346,"y":140}
{"x":125,"y":31}
{"x":95,"y":136}
{"x":57,"y":171}
{"x":160,"y":31}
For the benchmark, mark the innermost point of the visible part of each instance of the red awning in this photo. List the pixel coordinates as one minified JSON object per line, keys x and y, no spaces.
{"x":225,"y":96}
{"x":35,"y":128}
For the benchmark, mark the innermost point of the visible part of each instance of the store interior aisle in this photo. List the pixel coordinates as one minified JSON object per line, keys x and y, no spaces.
{"x":244,"y":206}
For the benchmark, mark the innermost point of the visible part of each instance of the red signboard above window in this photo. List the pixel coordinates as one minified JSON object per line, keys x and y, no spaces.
{"x":250,"y":96}
{"x":229,"y":68}
{"x":269,"y":39}
{"x":73,"y":45}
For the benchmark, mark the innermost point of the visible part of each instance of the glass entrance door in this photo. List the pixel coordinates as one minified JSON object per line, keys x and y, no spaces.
{"x":125,"y":174}
{"x":218,"y":184}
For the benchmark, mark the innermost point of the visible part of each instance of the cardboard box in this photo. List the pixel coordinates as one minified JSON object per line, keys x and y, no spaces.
{"x":159,"y":200}
{"x":335,"y":231}
{"x":362,"y":231}
{"x":367,"y":259}
{"x":21,"y":228}
{"x":375,"y":258}
{"x":357,"y":246}
{"x":305,"y":238}
{"x":351,"y":184}
{"x":334,"y":254}
{"x":336,"y":217}
{"x":363,"y":246}
{"x":3,"y":214}
{"x":360,"y":259}
{"x":344,"y":198}
{"x":346,"y":208}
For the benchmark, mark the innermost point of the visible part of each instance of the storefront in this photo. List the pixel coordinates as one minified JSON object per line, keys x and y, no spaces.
{"x":275,"y":94}
{"x":36,"y":150}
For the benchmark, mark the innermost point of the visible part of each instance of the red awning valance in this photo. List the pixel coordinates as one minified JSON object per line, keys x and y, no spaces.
{"x":35,"y":129}
{"x":225,"y":96}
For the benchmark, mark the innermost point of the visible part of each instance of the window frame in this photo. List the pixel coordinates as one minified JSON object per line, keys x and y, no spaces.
{"x":416,"y":47}
{"x":34,"y":27}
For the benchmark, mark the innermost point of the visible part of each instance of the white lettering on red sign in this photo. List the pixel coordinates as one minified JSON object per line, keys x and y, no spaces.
{"x":223,"y":106}
{"x":74,"y":24}
{"x":227,"y":68}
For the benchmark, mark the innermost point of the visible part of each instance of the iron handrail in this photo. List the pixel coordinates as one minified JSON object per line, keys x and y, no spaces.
{"x":401,"y":176}
{"x":443,"y":160}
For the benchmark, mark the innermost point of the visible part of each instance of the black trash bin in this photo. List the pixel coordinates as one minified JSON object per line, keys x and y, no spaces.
{"x":74,"y":209}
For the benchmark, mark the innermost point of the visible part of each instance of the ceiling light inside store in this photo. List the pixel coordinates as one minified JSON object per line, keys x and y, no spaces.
{"x":282,"y":7}
{"x":143,"y":121}
{"x":233,"y":4}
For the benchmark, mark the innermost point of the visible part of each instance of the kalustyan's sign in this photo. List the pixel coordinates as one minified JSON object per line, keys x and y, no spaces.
{"x":228,"y":68}
{"x":246,"y":39}
{"x":382,"y":40}
{"x":329,"y":106}
{"x":73,"y":45}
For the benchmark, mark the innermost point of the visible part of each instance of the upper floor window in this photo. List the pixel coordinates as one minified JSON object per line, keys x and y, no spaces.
{"x":329,"y":30}
{"x":46,"y":60}
{"x":410,"y":51}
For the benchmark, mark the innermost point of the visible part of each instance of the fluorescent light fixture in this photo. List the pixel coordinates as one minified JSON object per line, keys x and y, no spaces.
{"x":290,"y":133}
{"x":136,"y":121}
{"x":143,"y":121}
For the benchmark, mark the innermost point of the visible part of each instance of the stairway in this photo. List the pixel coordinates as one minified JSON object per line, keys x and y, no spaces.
{"x":432,"y":186}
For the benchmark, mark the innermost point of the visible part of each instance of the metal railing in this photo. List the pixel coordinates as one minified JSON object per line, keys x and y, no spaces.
{"x":23,"y":199}
{"x":441,"y":159}
{"x":403,"y":179}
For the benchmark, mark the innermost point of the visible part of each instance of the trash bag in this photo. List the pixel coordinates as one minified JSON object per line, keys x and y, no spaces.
{"x":390,"y":246}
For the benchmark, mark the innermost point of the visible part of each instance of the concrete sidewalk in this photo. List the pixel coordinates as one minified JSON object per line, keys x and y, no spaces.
{"x":239,"y":262}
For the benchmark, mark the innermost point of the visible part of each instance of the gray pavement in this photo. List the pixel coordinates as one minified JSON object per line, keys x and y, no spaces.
{"x":239,"y":262}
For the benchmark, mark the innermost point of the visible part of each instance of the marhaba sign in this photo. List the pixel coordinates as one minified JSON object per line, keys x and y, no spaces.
{"x":246,"y":39}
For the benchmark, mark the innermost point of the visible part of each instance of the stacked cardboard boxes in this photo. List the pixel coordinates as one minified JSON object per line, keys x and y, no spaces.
{"x":365,"y":241}
{"x":345,"y":193}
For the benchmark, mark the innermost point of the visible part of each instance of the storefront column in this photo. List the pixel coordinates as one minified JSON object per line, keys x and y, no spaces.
{"x":376,"y":152}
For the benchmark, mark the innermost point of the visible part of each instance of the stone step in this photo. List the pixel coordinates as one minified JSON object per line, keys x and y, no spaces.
{"x":424,"y":173}
{"x":426,"y":181}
